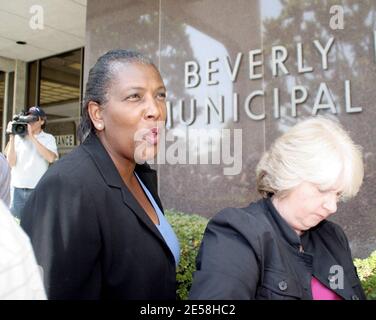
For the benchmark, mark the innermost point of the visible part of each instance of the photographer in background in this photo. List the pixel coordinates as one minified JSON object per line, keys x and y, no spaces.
{"x":29,"y":152}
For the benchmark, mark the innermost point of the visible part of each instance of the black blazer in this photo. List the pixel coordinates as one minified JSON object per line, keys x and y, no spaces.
{"x":90,"y":235}
{"x":252,"y":253}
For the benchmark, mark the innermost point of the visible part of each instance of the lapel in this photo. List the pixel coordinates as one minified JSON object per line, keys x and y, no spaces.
{"x":325,"y":268}
{"x":108,"y":171}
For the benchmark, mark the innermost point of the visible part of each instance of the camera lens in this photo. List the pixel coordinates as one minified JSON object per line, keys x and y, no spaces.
{"x":20,"y":129}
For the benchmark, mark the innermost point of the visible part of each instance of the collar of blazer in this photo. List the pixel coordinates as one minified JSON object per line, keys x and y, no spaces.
{"x":107,"y":169}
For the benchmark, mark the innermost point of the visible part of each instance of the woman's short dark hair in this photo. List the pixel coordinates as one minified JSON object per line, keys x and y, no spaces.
{"x":100,"y":79}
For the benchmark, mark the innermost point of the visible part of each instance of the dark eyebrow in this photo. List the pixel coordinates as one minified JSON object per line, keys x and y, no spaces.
{"x":142,"y":88}
{"x":134,"y":88}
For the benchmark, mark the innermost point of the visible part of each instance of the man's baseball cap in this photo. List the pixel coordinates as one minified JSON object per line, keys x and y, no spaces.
{"x":37,"y":111}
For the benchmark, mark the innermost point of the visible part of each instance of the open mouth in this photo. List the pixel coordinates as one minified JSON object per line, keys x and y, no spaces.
{"x":152,"y":136}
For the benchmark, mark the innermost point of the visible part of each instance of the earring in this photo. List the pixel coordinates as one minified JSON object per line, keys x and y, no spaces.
{"x":99,"y":126}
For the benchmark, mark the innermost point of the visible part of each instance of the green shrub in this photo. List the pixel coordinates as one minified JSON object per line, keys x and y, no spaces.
{"x":367,"y":274}
{"x":189,"y":229}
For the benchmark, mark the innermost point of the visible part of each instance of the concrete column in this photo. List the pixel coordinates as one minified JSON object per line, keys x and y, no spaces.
{"x":5,"y":111}
{"x":19,"y":98}
{"x":7,"y":65}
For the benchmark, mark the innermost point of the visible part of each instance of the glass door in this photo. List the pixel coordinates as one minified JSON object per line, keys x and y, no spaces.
{"x":59,"y":96}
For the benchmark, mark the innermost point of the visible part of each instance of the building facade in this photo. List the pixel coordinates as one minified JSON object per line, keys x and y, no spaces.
{"x":238,"y":74}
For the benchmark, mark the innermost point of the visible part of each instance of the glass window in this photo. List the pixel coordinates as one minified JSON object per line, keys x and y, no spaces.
{"x":59,"y":96}
{"x":33,"y":86}
{"x":6,"y":103}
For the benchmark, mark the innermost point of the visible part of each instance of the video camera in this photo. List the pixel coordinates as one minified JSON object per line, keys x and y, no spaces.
{"x":20,"y":121}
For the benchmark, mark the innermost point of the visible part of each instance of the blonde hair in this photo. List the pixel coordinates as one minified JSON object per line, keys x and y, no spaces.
{"x":317,"y":150}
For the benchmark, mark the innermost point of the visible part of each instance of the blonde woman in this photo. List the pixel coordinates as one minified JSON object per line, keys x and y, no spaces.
{"x":283,"y":246}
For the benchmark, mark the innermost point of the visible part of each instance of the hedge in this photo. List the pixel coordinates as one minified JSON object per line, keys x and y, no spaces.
{"x":367,"y":273}
{"x":190,"y":229}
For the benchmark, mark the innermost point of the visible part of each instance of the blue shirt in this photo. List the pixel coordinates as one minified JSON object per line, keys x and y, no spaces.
{"x":163,"y":227}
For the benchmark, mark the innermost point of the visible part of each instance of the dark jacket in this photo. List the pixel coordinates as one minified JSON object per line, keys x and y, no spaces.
{"x":252,"y":253}
{"x":90,"y":235}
